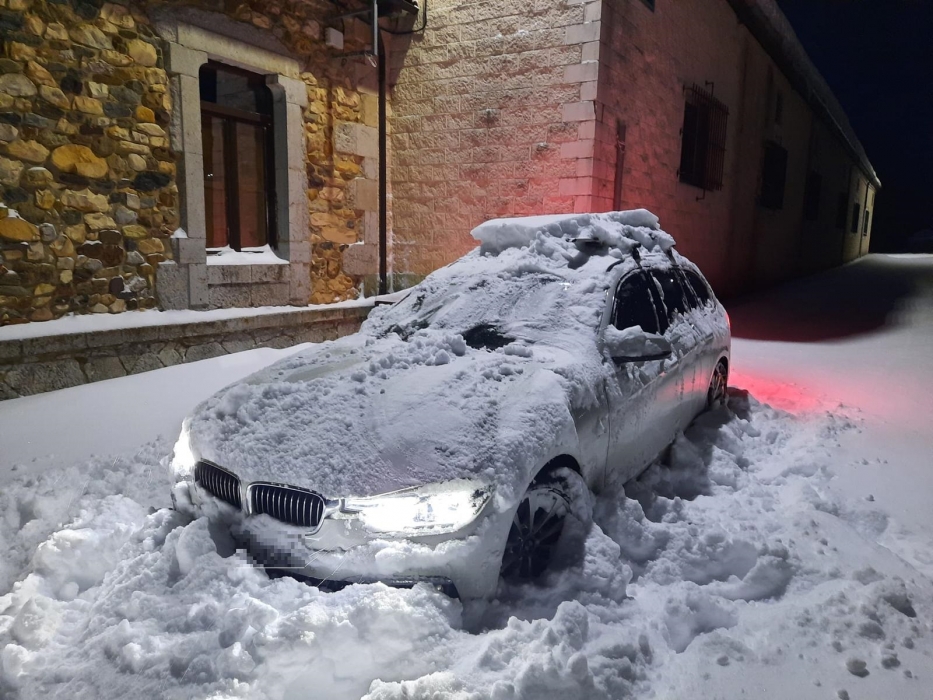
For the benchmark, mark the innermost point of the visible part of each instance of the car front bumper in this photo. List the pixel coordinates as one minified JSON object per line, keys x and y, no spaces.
{"x":340,"y":552}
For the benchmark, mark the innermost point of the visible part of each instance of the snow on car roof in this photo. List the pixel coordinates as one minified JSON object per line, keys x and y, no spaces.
{"x":618,"y":230}
{"x":527,"y":273}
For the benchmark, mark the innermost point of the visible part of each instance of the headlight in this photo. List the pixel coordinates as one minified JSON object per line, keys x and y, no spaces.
{"x":423,"y":510}
{"x":183,"y":459}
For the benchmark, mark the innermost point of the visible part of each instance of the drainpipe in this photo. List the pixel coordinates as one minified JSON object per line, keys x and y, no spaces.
{"x":379,"y":47}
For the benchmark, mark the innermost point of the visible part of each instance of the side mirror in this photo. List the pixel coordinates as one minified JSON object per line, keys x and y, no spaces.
{"x":634,"y":345}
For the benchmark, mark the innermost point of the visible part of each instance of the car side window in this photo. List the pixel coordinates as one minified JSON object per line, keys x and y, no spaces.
{"x":699,"y":287}
{"x":633,"y":304}
{"x":672,"y":294}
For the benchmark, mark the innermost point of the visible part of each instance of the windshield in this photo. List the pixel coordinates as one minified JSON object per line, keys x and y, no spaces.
{"x":494,"y":309}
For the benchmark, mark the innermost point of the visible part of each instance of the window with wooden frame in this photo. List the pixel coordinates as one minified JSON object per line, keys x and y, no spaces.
{"x":237,"y":136}
{"x":703,"y":139}
{"x":856,"y":210}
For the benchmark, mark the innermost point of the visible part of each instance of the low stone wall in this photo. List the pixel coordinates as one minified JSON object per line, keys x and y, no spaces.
{"x":35,"y":365}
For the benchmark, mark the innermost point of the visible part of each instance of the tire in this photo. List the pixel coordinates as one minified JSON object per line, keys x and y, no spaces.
{"x":716,"y":394}
{"x":538,"y":525}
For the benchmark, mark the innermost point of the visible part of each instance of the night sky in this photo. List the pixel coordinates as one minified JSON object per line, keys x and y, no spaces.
{"x":877,"y":56}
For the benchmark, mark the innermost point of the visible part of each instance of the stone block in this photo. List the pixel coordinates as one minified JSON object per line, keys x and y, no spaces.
{"x":356,"y":139}
{"x":99,"y":368}
{"x":267,"y":273}
{"x":581,"y":72}
{"x":296,"y":92}
{"x":191,"y":182}
{"x":299,"y":284}
{"x":360,"y":259}
{"x":184,"y":61}
{"x":577,"y":149}
{"x":10,"y":350}
{"x":228,"y":274}
{"x":38,"y":377}
{"x":363,"y":194}
{"x":575,"y":186}
{"x":169,"y":356}
{"x":172,"y":286}
{"x":298,"y":215}
{"x":188,"y":250}
{"x":228,"y":296}
{"x":189,"y":106}
{"x":198,"y":297}
{"x":582,"y":33}
{"x":66,"y":343}
{"x":578,"y":111}
{"x":272,"y":294}
{"x":204,"y":352}
{"x":295,"y":135}
{"x":142,"y":363}
{"x":299,"y":252}
{"x":238,"y":343}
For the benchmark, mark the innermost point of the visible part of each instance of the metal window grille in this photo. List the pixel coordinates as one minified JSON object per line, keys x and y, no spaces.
{"x":703,"y":139}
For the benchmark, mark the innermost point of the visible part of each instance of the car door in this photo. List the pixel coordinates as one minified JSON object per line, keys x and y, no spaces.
{"x":639,"y":421}
{"x":682,"y":333}
{"x":705,"y":325}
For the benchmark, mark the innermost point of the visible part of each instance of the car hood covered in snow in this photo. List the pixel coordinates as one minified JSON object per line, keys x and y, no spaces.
{"x":476,"y":373}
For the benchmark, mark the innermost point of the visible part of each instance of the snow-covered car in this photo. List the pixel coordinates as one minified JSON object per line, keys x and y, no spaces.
{"x":452,"y":437}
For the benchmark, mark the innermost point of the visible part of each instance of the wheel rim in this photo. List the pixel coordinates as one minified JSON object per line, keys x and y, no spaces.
{"x":536,"y":528}
{"x":717,"y":386}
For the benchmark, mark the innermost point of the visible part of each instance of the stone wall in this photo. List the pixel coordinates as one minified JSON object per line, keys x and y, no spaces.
{"x":46,"y":363}
{"x":84,"y":160}
{"x":492,"y":116}
{"x":91,"y":174}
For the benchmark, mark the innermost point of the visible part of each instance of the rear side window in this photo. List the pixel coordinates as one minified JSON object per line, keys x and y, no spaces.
{"x":699,"y":287}
{"x":634,"y":305}
{"x":672,"y":294}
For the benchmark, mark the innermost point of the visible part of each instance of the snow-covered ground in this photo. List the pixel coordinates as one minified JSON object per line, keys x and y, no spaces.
{"x":784,"y":548}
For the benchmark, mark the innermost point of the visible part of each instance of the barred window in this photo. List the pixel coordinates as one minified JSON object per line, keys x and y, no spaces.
{"x":703,"y":139}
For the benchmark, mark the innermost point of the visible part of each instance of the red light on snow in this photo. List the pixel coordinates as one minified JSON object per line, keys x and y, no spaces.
{"x":781,"y":394}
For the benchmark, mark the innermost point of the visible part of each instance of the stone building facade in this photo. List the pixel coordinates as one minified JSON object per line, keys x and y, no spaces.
{"x":506,"y":109}
{"x":197,"y":154}
{"x":107,"y":203}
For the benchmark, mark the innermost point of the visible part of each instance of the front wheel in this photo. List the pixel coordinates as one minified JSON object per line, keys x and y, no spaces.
{"x":538,"y":524}
{"x":716,"y":394}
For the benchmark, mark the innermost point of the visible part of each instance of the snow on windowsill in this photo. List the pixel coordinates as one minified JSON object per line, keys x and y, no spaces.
{"x":263,"y":255}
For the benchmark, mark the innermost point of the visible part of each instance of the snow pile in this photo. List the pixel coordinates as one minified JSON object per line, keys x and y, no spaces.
{"x":731,"y":560}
